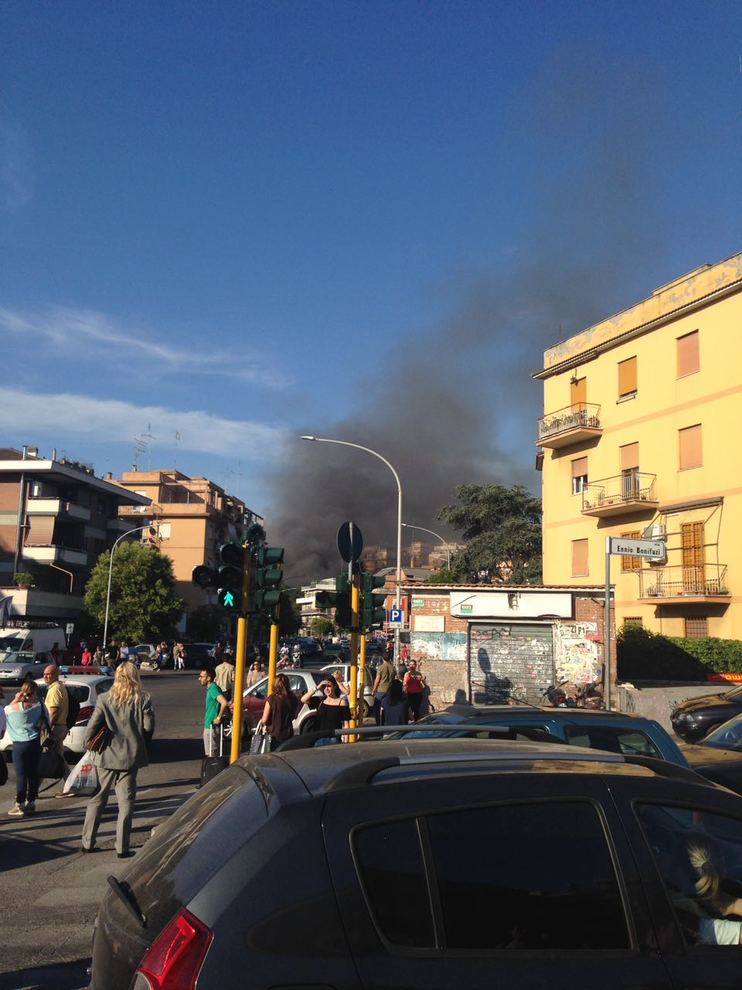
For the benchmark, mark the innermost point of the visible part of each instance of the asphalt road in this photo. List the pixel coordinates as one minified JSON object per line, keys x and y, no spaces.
{"x":49,"y":890}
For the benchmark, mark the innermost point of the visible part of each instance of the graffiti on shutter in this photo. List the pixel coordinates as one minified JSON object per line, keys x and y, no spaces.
{"x":510,"y":661}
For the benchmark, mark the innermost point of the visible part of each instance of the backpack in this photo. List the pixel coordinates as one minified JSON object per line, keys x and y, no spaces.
{"x":73,"y":709}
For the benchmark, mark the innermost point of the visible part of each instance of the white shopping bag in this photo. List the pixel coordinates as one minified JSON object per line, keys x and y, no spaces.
{"x":83,"y":778}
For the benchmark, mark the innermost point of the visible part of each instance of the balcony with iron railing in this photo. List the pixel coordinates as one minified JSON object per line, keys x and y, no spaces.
{"x":683,"y":583}
{"x":619,"y":495}
{"x":570,"y":425}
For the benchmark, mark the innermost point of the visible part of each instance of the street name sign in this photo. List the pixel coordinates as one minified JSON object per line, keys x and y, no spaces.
{"x":648,"y":549}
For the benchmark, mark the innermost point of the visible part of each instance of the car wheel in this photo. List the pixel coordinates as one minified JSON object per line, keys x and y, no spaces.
{"x":308,"y":725}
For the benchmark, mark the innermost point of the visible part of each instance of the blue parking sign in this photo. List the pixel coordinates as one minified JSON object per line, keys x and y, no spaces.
{"x":396,"y":617}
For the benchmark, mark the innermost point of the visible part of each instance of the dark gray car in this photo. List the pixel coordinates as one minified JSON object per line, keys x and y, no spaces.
{"x":423,"y":865}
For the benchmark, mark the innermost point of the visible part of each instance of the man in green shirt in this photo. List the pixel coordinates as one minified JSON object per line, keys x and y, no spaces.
{"x":216,"y":705}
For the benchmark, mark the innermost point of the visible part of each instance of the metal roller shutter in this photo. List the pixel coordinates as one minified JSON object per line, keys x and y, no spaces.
{"x":508,"y":660}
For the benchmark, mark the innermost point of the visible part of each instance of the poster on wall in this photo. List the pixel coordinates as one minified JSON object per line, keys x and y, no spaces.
{"x":577,"y":658}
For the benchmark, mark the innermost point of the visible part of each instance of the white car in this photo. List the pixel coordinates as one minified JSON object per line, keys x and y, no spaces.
{"x":85,"y":688}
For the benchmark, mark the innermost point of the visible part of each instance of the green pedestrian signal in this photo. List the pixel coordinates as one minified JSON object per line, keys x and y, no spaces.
{"x":373,"y":613}
{"x":268,"y":578}
{"x":229,"y":599}
{"x":340,"y":599}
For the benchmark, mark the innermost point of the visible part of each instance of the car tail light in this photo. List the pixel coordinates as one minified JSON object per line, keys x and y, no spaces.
{"x":175,"y":958}
{"x":84,"y":714}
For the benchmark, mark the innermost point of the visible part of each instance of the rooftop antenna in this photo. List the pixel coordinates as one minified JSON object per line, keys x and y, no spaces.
{"x":141,"y":446}
{"x":178,"y":438}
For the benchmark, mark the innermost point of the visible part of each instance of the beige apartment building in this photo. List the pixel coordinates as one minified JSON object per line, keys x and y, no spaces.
{"x":56,"y":518}
{"x":194,"y":518}
{"x":639,"y":439}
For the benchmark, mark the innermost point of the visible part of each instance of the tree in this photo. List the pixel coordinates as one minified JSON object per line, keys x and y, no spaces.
{"x":497,"y":524}
{"x":143,"y":604}
{"x":322,"y":626}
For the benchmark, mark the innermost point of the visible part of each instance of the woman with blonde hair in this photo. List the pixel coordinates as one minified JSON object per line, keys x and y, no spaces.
{"x":716,"y":904}
{"x":126,"y":713}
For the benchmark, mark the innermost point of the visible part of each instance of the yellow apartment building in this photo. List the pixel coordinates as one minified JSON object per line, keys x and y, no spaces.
{"x":194,"y":517}
{"x":640,"y":437}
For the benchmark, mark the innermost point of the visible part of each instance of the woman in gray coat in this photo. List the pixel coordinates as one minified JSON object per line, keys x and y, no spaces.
{"x":127,"y":713}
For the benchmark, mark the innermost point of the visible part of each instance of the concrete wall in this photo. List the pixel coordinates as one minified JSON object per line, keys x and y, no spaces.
{"x":657,"y":701}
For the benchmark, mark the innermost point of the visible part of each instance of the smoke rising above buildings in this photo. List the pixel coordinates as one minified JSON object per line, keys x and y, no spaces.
{"x":459,"y":406}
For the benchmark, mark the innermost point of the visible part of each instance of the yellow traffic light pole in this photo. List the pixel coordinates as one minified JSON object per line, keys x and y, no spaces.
{"x":239,"y":672}
{"x":272,"y":657}
{"x":361,"y":687}
{"x":355,"y":604}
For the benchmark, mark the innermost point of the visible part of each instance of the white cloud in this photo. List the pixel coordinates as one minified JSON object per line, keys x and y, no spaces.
{"x":71,"y":327}
{"x":59,"y":416}
{"x":16,"y":175}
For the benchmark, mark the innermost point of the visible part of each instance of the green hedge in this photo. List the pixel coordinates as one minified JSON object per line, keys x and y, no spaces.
{"x":644,"y":655}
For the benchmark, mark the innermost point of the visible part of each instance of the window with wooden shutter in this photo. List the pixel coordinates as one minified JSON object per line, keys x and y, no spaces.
{"x":687,"y":354}
{"x":578,"y":394}
{"x":693,"y":556}
{"x":696,"y":627}
{"x":627,"y":377}
{"x":690,"y":452}
{"x":629,"y":470}
{"x":579,"y":558}
{"x":579,"y":475}
{"x":631,"y":563}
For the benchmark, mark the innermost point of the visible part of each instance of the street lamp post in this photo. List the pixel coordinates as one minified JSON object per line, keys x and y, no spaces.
{"x":374,"y":453}
{"x":437,"y":536}
{"x":110,"y":574}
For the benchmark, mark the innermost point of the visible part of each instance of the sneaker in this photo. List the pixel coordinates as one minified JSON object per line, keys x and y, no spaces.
{"x":30,"y":808}
{"x":17,"y":811}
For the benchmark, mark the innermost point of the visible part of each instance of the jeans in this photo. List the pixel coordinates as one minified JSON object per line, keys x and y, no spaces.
{"x":378,"y":698}
{"x":26,"y":762}
{"x":125,"y":783}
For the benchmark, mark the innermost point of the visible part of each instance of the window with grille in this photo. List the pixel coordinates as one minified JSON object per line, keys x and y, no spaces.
{"x":687,"y":354}
{"x":633,"y":620}
{"x":696,"y":627}
{"x":627,"y":378}
{"x":631,"y":563}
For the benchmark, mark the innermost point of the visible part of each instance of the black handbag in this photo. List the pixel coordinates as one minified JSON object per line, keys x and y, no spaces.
{"x":3,"y":770}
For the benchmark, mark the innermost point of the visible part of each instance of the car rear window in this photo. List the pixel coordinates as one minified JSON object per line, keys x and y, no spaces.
{"x":185,"y":852}
{"x":630,"y":742}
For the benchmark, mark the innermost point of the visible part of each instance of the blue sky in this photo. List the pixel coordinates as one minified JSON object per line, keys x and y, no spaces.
{"x":227,"y":224}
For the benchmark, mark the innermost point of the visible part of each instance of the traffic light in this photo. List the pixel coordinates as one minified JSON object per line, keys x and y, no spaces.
{"x":268,"y":578}
{"x":340,"y":600}
{"x":227,"y":578}
{"x":232,"y":562}
{"x":373,"y":613}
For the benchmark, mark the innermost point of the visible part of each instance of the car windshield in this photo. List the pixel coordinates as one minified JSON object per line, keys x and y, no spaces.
{"x":11,"y":644}
{"x":735,"y":693}
{"x":726,"y":736}
{"x":18,"y":658}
